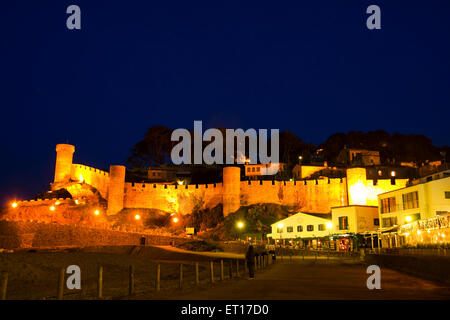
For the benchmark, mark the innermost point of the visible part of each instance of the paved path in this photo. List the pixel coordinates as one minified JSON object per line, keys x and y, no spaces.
{"x":311,"y":279}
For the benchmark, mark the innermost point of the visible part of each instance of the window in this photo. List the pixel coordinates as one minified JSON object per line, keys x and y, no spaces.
{"x":343,"y":223}
{"x":258,"y":169}
{"x":388,"y":205}
{"x":299,"y":228}
{"x":248,"y":169}
{"x":389,"y":222}
{"x":410,"y":200}
{"x":290,"y":229}
{"x":310,"y":227}
{"x":253,"y":169}
{"x":321,"y":227}
{"x":376,"y":222}
{"x":447,"y":194}
{"x":279,"y":230}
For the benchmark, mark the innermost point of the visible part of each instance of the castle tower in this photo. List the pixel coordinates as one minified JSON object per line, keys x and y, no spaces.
{"x":116,"y":189}
{"x":231,"y":189}
{"x":357,"y":186}
{"x":63,"y":167}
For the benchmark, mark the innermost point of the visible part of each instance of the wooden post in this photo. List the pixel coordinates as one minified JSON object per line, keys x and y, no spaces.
{"x":60,"y":291}
{"x":131,"y":281}
{"x":211,"y":271}
{"x":237,"y":267}
{"x":158,"y":277}
{"x":256,"y":263}
{"x":4,"y":285}
{"x":197,"y":279}
{"x":221,"y":270}
{"x":100,"y":282}
{"x":181,"y":276}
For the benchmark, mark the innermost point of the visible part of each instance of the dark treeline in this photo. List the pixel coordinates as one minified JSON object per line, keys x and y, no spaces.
{"x":155,"y":148}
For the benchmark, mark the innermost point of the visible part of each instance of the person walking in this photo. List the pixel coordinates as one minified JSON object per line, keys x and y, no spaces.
{"x":250,"y":257}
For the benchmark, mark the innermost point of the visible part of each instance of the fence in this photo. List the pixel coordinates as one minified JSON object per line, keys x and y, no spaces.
{"x":106,"y":283}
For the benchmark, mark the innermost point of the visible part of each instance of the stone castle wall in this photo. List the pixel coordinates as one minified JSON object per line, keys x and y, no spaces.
{"x":97,"y":178}
{"x":309,"y":196}
{"x":172,"y":198}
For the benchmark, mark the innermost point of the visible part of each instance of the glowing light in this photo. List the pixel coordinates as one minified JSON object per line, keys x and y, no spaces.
{"x":57,"y":203}
{"x":137,"y":217}
{"x":172,"y":214}
{"x":419,"y":232}
{"x":180,"y":182}
{"x":300,"y":157}
{"x":76,"y":201}
{"x":290,"y":179}
{"x":358,"y":193}
{"x":393,"y":173}
{"x":329,"y":225}
{"x":96,"y":212}
{"x":14,"y":205}
{"x":80,"y":177}
{"x":175,"y":219}
{"x":240,"y":225}
{"x":280,"y":225}
{"x":406,"y":234}
{"x":52,"y":208}
{"x":408,"y":219}
{"x":443,"y":235}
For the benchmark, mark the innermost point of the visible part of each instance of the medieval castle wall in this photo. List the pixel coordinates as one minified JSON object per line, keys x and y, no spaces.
{"x":306,"y":195}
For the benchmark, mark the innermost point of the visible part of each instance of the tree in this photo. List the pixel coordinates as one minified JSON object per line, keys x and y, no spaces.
{"x":153,"y":150}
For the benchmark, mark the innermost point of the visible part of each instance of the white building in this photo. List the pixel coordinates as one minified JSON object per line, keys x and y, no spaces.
{"x":301,"y":226}
{"x":412,"y":208}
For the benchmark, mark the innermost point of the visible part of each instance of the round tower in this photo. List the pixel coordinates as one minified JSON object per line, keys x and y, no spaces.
{"x":64,"y":157}
{"x":116,"y":189}
{"x":231,"y":189}
{"x":357,"y":186}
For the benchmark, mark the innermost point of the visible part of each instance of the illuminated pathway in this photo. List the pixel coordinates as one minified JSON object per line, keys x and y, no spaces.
{"x":319,"y":280}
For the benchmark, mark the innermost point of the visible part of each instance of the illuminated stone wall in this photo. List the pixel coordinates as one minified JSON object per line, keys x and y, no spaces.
{"x":316,"y":196}
{"x":172,"y":198}
{"x":97,"y":178}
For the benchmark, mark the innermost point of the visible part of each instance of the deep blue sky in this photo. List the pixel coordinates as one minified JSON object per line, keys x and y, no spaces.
{"x":311,"y":67}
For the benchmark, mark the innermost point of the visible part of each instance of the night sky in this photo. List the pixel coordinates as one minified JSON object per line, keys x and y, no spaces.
{"x":311,"y":67}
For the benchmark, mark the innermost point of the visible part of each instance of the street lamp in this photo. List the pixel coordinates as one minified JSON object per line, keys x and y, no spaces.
{"x":175,"y":220}
{"x":408,"y":219}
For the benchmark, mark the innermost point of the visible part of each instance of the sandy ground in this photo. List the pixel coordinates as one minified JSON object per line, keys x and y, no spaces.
{"x":34,"y":275}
